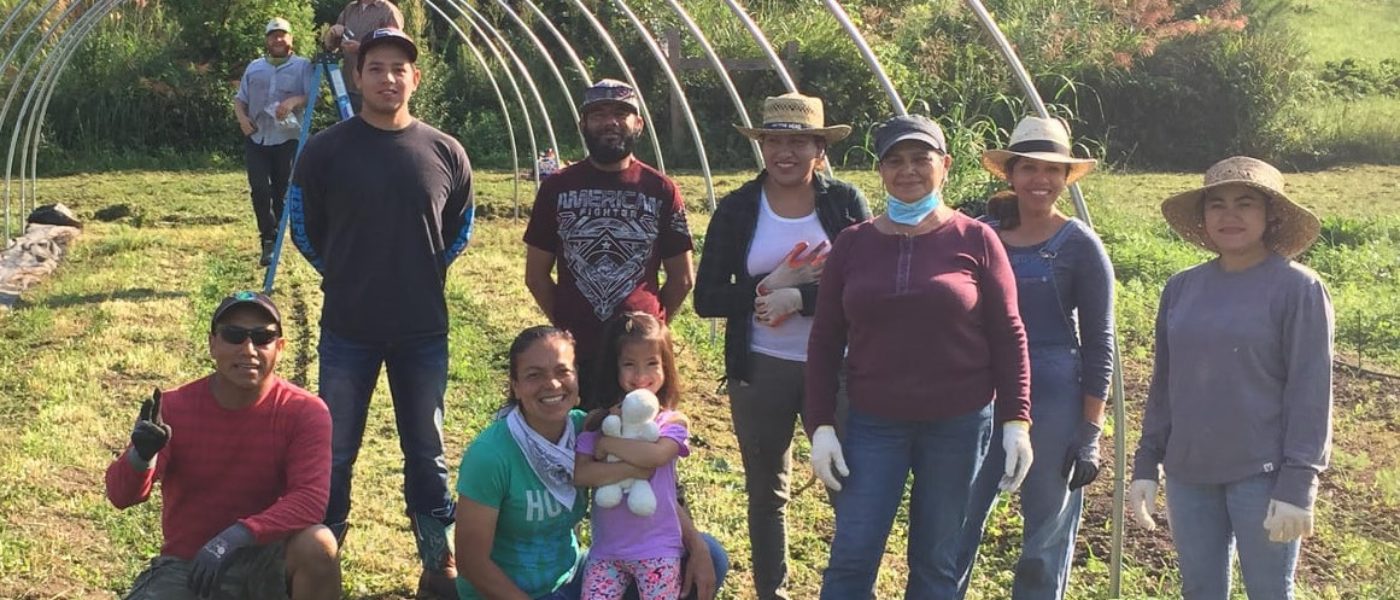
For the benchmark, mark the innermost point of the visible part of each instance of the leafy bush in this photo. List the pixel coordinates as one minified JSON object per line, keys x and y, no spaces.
{"x":1354,"y":78}
{"x":1198,"y":99}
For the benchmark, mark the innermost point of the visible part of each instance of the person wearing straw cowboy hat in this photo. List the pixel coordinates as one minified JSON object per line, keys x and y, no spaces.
{"x":764,"y":249}
{"x":1239,"y":411}
{"x":1064,"y":287}
{"x":920,"y":306}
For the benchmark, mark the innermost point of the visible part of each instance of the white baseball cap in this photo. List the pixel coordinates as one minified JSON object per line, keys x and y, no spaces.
{"x":277,"y":24}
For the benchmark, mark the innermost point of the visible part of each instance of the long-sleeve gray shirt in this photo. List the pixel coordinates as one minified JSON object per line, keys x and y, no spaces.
{"x":1243,"y":379}
{"x":1084,"y":283}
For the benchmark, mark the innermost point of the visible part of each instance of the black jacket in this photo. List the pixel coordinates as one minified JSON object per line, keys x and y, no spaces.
{"x":725,"y":288}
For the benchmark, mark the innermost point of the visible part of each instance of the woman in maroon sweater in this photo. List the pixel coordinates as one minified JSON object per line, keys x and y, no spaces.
{"x":921,"y":304}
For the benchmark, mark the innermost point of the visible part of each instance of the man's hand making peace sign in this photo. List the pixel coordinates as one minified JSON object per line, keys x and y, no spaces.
{"x":150,"y":433}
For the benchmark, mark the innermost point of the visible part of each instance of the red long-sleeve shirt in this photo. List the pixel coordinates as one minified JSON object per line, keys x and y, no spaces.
{"x":928,"y":326}
{"x":266,"y":466}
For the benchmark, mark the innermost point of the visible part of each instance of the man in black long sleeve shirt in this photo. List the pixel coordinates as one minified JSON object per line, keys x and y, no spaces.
{"x":383,"y":205}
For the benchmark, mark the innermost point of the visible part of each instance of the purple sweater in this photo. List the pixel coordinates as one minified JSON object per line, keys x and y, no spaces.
{"x":928,"y":326}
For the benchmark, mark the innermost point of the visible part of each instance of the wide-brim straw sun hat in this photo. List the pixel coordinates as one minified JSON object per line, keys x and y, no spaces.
{"x":1291,"y":228}
{"x":1040,"y":139}
{"x":795,"y":114}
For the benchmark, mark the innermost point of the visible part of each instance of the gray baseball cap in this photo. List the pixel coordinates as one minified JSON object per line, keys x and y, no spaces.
{"x":909,"y":127}
{"x":606,"y":91}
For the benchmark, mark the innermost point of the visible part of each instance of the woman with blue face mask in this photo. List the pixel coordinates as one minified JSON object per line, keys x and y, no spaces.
{"x":921,"y":304}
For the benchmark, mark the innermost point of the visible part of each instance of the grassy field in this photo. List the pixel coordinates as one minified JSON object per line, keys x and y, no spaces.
{"x":1351,"y":129}
{"x":128,"y":309}
{"x":1337,"y":29}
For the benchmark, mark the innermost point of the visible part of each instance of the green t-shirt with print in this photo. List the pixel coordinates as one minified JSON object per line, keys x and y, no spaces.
{"x":535,"y":543}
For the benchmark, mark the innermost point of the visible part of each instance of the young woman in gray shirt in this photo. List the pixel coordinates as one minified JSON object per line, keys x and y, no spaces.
{"x":1239,"y":411}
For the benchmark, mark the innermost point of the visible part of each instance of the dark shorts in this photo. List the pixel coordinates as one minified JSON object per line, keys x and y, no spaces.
{"x":256,"y":572}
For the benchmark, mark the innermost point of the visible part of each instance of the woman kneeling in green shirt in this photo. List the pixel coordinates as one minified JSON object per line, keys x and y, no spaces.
{"x":518,"y":506}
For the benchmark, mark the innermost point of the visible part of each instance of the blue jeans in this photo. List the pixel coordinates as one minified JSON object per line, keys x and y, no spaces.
{"x":1049,"y":511}
{"x":573,"y":590}
{"x":1209,"y":521}
{"x":417,"y":381}
{"x":881,"y":453}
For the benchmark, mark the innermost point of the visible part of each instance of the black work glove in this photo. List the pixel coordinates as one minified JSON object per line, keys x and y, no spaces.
{"x":213,"y":559}
{"x":150,"y":433}
{"x":1082,"y":460}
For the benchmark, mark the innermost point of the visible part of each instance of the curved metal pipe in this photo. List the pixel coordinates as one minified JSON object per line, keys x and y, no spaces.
{"x":763,"y":44}
{"x":24,"y":120}
{"x":19,"y":77}
{"x":559,"y":37}
{"x":774,"y":61}
{"x":68,"y":45}
{"x":1081,"y":208}
{"x":627,"y":72}
{"x":19,"y":42}
{"x":679,"y":91}
{"x":1023,"y":78}
{"x":549,"y":61}
{"x":520,"y":66}
{"x":14,"y":15}
{"x":871,"y":60}
{"x":14,"y":89}
{"x":718,"y":66}
{"x":515,"y":89}
{"x":500,"y":98}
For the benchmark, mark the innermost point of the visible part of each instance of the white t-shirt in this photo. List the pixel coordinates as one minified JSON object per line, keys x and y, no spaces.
{"x":773,"y":239}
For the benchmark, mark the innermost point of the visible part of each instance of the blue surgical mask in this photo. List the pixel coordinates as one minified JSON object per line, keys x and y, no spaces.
{"x":911,"y":213}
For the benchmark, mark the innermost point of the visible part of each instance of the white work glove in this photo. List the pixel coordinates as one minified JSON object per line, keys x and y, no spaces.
{"x":1287,"y":522}
{"x":1142,"y":501}
{"x":1016,"y":440}
{"x":826,"y":451}
{"x":796,"y":268}
{"x":775,"y":307}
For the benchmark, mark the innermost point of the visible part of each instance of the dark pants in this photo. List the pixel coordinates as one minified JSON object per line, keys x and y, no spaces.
{"x":764,"y":410}
{"x":252,"y":572}
{"x":417,"y":381}
{"x":269,"y":169}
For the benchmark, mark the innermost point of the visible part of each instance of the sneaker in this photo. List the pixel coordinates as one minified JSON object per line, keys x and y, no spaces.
{"x":266,"y":254}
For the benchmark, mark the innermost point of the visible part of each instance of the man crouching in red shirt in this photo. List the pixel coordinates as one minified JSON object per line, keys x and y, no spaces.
{"x":244,"y":461}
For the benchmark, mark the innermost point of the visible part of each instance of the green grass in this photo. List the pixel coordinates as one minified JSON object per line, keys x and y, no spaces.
{"x":1337,"y":29}
{"x":126,"y":311}
{"x":1363,"y":129}
{"x":1343,"y":130}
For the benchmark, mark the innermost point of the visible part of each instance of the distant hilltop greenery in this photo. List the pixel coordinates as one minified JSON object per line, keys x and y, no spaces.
{"x":1157,"y":84}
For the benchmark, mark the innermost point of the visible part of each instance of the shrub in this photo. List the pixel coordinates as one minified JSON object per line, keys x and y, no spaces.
{"x":1201,"y":98}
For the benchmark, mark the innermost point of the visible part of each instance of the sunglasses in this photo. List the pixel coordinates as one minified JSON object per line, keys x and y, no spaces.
{"x":238,"y":335}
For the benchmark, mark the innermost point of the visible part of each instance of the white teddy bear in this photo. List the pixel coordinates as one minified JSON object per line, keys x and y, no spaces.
{"x":637,"y":422}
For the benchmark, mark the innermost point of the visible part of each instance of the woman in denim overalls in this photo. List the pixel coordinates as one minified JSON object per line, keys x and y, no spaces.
{"x":1064,"y":284}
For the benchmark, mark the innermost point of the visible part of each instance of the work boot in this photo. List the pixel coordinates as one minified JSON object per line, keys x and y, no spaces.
{"x":266,"y":254}
{"x":439,"y":584}
{"x":434,"y":538}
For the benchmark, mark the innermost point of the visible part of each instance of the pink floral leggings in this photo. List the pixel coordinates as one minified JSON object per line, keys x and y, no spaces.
{"x":656,"y":578}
